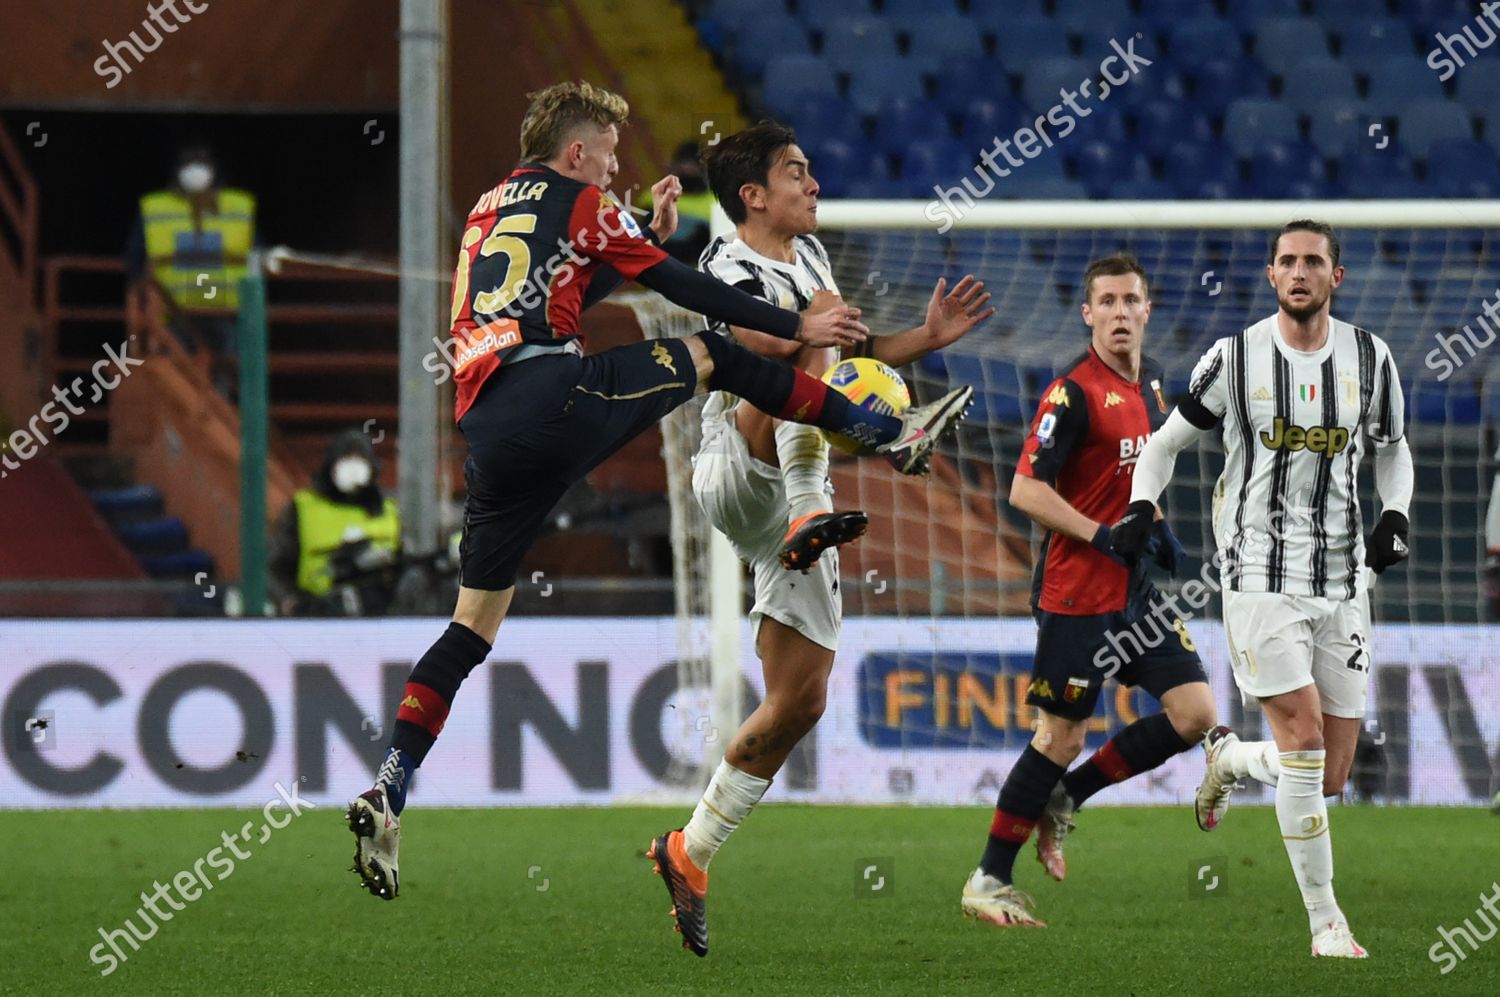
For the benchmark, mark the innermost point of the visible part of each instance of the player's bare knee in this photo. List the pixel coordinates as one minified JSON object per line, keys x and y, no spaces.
{"x":1059,"y":738}
{"x":1191,"y":721}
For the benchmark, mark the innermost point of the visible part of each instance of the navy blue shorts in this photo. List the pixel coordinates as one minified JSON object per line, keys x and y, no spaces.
{"x":1075,"y":654}
{"x":539,"y":426}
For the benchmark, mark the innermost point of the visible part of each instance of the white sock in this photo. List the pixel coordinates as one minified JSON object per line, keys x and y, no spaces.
{"x":803,"y":453}
{"x":727,"y":801}
{"x":1257,"y":759}
{"x":1303,"y":815}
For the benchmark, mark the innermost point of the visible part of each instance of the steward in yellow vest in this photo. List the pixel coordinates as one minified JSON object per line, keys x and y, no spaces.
{"x":197,"y":237}
{"x":335,"y":550}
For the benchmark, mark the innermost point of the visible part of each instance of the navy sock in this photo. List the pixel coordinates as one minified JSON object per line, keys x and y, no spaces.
{"x":795,"y":395}
{"x":395,"y":775}
{"x":1022,"y":800}
{"x":1138,"y":748}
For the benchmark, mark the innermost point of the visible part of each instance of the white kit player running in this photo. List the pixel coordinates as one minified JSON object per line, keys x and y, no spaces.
{"x":1297,"y":396}
{"x":764,"y":484}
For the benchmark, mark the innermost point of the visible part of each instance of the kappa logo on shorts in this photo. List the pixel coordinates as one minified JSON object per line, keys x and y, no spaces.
{"x":663,"y":356}
{"x":413,"y":702}
{"x":1076,"y":690}
{"x":1040,"y":688}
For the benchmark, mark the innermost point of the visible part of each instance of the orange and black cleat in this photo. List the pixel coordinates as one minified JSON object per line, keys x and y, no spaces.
{"x":688,"y":886}
{"x":814,"y":533}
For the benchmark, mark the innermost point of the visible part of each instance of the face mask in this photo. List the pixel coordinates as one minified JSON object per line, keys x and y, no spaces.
{"x":195,"y":178}
{"x":350,"y":474}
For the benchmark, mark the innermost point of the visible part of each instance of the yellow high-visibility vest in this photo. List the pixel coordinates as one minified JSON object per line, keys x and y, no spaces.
{"x":320,"y":531}
{"x":199,"y":267}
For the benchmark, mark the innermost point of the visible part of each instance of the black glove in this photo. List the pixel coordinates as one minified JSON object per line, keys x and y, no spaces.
{"x":1101,"y":544}
{"x":1388,"y":544}
{"x":1169,"y":550}
{"x":1128,"y":536}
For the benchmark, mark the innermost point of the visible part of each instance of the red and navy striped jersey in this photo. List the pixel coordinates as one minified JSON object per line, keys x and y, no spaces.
{"x":530,"y":248}
{"x":1088,"y":432}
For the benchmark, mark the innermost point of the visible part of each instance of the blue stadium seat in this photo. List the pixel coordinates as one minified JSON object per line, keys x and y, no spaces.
{"x":1203,"y":39}
{"x":1401,"y":81}
{"x":1044,"y":78}
{"x":1477,"y":87}
{"x":1429,"y":16}
{"x":938,"y":162}
{"x":1421,"y":123}
{"x":1142,"y":190}
{"x":906,"y":12}
{"x":734,"y":14}
{"x":1310,"y":84}
{"x":851,"y":41}
{"x":789,"y":77}
{"x":902,"y":122}
{"x":1277,"y":166}
{"x":819,"y":15}
{"x":1282,"y":42}
{"x":1373,"y":173}
{"x":1463,"y":168}
{"x":1367,"y":43}
{"x":1019,"y":40}
{"x":1245,"y":15}
{"x":1106,"y":125}
{"x":1028,"y":186}
{"x":881,"y":188}
{"x":1100,"y":165}
{"x":761,"y":41}
{"x":1339,"y":126}
{"x":1250,"y":123}
{"x":991,"y":14}
{"x":1170,"y":11}
{"x":944,"y":37}
{"x":961,"y":79}
{"x":983,"y":119}
{"x":877,"y":80}
{"x":834,"y":164}
{"x":1187,"y":163}
{"x":822,"y":116}
{"x":1160,"y":123}
{"x":1219,"y":82}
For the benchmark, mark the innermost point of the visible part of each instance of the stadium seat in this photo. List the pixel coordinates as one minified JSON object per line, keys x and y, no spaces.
{"x":819,"y":15}
{"x":1141,"y":190}
{"x":1291,"y":170}
{"x":1032,"y":187}
{"x":1170,"y":11}
{"x":1219,"y":82}
{"x":910,"y":11}
{"x":1202,"y":39}
{"x":990,"y":16}
{"x":761,"y":41}
{"x":1100,"y":165}
{"x":850,"y":41}
{"x":735,"y":14}
{"x":935,"y":163}
{"x":1367,"y":43}
{"x":1282,"y":42}
{"x":834,"y":164}
{"x":1308,"y":85}
{"x":1245,"y":15}
{"x":1429,"y":16}
{"x":1161,"y":123}
{"x":877,"y":80}
{"x":789,"y":77}
{"x":1042,"y":79}
{"x":1421,"y":123}
{"x":961,"y":79}
{"x":822,"y":116}
{"x":944,"y":37}
{"x":1337,"y":127}
{"x":1463,"y":168}
{"x":1401,"y":81}
{"x":983,"y":119}
{"x":1477,"y":88}
{"x":1374,"y":173}
{"x":1187,"y":163}
{"x":1019,"y":40}
{"x":1250,"y":123}
{"x":903,"y":122}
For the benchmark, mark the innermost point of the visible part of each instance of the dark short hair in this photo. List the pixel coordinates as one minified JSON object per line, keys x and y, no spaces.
{"x":1117,"y":265}
{"x":1309,"y":225}
{"x":741,"y":158}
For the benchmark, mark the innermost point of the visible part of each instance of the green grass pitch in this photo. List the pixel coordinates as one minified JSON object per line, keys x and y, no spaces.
{"x":561,"y":901}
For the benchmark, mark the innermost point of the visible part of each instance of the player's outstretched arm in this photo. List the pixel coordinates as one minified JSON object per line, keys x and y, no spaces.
{"x":1153,"y":469}
{"x":699,"y":292}
{"x":950,"y":316}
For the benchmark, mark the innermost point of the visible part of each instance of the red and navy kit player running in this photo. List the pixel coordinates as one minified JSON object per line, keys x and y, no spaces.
{"x":538,"y":415}
{"x":1097,"y":616}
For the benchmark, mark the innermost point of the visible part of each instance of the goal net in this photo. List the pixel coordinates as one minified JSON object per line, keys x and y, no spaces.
{"x":927,"y":699}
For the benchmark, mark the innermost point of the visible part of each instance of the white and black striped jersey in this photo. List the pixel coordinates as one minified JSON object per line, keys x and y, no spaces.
{"x":1295,"y":424}
{"x":785,"y":285}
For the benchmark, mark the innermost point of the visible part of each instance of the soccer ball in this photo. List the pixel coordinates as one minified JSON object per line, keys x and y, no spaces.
{"x":872,"y":386}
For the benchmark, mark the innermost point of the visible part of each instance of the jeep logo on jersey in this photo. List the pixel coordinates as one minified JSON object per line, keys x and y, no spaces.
{"x":1318,"y":439}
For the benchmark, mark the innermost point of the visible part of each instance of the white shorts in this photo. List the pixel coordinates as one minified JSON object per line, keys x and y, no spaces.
{"x":1278,"y":643}
{"x":744,"y":500}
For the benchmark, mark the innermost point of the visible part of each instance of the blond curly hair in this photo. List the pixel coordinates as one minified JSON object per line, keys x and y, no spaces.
{"x":557,"y":110}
